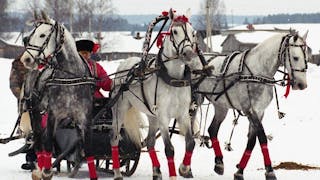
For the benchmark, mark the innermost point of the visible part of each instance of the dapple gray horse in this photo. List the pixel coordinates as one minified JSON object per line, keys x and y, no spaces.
{"x":244,"y":81}
{"x":65,"y":89}
{"x":162,"y":96}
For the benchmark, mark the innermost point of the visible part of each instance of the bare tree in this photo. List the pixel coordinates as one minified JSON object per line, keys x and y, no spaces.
{"x":85,"y":14}
{"x":3,"y":14}
{"x":212,"y":18}
{"x":34,"y":5}
{"x":58,"y":9}
{"x":216,"y":9}
{"x":93,"y":11}
{"x":103,"y":9}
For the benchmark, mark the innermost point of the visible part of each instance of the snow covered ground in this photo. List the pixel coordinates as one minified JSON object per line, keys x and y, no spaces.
{"x":294,"y":138}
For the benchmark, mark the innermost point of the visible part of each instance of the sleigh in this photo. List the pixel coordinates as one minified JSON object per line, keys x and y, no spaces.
{"x":68,"y":145}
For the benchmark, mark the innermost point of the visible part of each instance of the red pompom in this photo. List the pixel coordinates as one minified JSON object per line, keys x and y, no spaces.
{"x":182,"y":18}
{"x":95,"y":48}
{"x":165,"y":13}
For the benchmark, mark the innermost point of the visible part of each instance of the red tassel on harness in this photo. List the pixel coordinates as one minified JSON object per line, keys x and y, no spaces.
{"x":160,"y":38}
{"x":165,"y":13}
{"x":95,"y":48}
{"x":182,"y":18}
{"x":287,"y":88}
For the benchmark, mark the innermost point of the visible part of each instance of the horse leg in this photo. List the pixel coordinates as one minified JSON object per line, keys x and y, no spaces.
{"x":247,"y":153}
{"x":151,"y":141}
{"x":38,"y":139}
{"x":219,"y":115}
{"x":270,"y":175}
{"x":169,"y":150}
{"x":118,"y":113}
{"x":185,"y":167}
{"x":86,"y":133}
{"x":48,"y":144}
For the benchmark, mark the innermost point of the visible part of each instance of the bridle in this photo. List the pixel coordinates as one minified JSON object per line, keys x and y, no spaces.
{"x":284,"y":53}
{"x":55,"y":28}
{"x":186,"y":41}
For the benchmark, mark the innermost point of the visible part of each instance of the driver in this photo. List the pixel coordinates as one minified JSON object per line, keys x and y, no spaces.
{"x":86,"y":49}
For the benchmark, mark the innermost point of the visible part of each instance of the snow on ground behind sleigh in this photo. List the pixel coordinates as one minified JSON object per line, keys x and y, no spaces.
{"x":294,"y":138}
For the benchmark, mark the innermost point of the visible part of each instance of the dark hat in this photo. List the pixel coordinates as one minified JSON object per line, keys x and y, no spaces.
{"x":84,"y":45}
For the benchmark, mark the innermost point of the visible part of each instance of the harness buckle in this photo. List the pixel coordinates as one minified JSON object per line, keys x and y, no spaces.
{"x":180,"y":83}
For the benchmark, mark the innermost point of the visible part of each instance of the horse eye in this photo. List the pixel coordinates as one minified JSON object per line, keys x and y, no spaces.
{"x":295,"y":58}
{"x":42,"y":35}
{"x":175,"y":32}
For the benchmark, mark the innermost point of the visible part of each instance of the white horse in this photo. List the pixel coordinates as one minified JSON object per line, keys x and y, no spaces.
{"x":64,"y":87}
{"x":162,"y":96}
{"x":244,"y":81}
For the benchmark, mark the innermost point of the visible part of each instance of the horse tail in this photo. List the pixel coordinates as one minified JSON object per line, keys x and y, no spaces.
{"x":132,"y":123}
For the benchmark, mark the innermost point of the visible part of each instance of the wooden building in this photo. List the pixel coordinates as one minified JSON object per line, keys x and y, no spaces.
{"x":9,"y":51}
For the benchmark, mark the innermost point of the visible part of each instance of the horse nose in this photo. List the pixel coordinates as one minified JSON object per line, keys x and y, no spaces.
{"x":188,"y":53}
{"x":27,"y":60}
{"x":302,"y":86}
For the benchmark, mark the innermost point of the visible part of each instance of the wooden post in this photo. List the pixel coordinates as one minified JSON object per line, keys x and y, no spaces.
{"x":208,"y":27}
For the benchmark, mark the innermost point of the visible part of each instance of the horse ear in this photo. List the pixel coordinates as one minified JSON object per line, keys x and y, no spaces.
{"x":45,"y":16}
{"x":188,"y":13}
{"x":35,"y":15}
{"x":304,"y":37}
{"x":171,"y":13}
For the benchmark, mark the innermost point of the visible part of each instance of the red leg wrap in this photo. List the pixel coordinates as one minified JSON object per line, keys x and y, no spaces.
{"x":40,"y":159}
{"x":172,"y":168}
{"x":44,"y":119}
{"x":245,"y":158}
{"x":115,"y":157}
{"x":216,"y":147}
{"x":91,"y":167}
{"x":265,"y":152}
{"x":47,"y":159}
{"x":187,"y":158}
{"x":154,"y":158}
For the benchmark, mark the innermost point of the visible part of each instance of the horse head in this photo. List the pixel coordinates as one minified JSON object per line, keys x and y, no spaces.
{"x":180,"y":40}
{"x":296,"y":61}
{"x":43,"y":43}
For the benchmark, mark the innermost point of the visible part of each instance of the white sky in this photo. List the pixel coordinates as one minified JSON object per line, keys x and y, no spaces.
{"x":235,"y":7}
{"x":242,"y":7}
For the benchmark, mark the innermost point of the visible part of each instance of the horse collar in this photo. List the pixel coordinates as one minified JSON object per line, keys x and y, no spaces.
{"x":163,"y":74}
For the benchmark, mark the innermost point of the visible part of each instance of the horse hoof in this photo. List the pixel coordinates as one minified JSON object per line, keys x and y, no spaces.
{"x":270,"y":176}
{"x":117,"y":174}
{"x":219,"y":169}
{"x":185,"y":171}
{"x":47,"y":174}
{"x":157,"y":177}
{"x":238,"y":176}
{"x":36,"y":174}
{"x":156,"y":173}
{"x":173,"y":178}
{"x":75,"y":170}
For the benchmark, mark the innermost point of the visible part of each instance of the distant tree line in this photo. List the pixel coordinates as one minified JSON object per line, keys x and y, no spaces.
{"x":286,"y":18}
{"x":76,"y":15}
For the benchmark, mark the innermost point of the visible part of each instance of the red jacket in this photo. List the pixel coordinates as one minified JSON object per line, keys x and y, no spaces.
{"x":103,"y":80}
